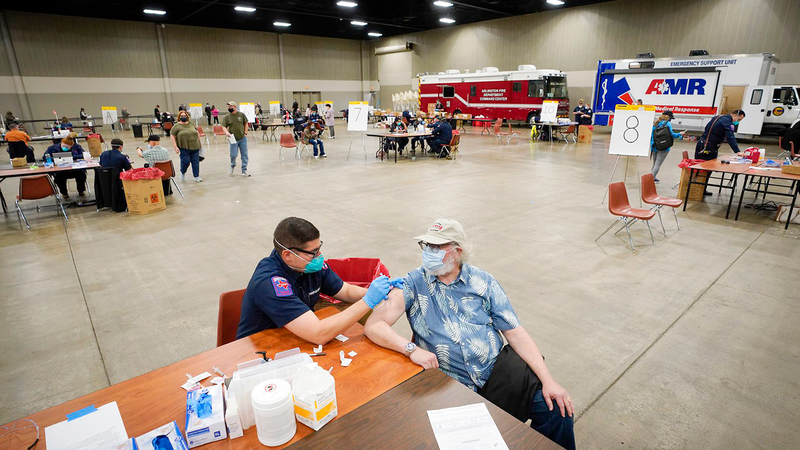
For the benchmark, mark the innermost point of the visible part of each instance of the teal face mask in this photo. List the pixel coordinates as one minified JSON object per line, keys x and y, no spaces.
{"x":315,"y":265}
{"x":736,"y":123}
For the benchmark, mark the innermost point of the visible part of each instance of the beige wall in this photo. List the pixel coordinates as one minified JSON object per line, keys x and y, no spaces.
{"x":574,"y":39}
{"x":96,"y":62}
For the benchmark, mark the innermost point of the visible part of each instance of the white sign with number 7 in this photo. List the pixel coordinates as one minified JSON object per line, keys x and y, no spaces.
{"x":357,"y":114}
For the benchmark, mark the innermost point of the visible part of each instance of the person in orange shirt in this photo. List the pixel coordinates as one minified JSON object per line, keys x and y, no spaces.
{"x":18,"y":143}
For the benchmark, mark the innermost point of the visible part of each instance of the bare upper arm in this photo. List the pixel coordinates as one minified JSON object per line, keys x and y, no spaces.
{"x":389,"y":310}
{"x":306,"y":326}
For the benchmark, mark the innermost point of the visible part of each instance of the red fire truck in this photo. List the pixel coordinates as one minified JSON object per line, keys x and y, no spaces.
{"x":513,"y":95}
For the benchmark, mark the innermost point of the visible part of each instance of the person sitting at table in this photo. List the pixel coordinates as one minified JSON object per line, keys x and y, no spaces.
{"x":397,"y":127}
{"x":68,"y":144}
{"x":459,"y":315}
{"x":65,"y":124}
{"x":18,"y":143}
{"x":155,"y":153}
{"x":442,"y":134}
{"x":311,"y":136}
{"x":287,"y":284}
{"x":114,"y":158}
{"x":83,"y":115}
{"x":439,"y":105}
{"x":415,"y":140}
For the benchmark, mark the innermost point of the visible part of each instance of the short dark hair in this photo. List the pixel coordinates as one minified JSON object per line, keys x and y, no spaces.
{"x":116,"y":143}
{"x":738,"y":112}
{"x":13,"y":125}
{"x":293,"y":232}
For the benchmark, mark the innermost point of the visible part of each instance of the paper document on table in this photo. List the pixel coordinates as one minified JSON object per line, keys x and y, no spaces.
{"x":98,"y":430}
{"x":465,"y":428}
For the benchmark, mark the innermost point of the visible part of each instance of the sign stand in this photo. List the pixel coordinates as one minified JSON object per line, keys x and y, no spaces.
{"x":110,"y":117}
{"x":630,"y":136}
{"x":357,"y":115}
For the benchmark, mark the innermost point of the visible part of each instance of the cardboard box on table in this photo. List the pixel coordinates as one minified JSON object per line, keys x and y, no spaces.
{"x":144,"y":196}
{"x":584,"y":134}
{"x":794,"y":169}
{"x":696,"y":193}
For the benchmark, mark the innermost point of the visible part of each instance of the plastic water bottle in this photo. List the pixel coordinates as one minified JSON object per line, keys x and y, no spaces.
{"x":49,"y":160}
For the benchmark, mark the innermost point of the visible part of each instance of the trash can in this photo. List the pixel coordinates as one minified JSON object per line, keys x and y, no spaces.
{"x":137,"y":130}
{"x":144,"y":191}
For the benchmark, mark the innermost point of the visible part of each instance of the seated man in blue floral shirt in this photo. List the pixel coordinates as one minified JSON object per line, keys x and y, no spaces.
{"x":459,"y":315}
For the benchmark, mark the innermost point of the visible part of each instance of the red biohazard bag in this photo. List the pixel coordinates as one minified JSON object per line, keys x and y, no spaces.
{"x":690,"y":162}
{"x":142,"y":173}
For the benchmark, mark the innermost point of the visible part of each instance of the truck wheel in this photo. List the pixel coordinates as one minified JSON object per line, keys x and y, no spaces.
{"x":531,"y":118}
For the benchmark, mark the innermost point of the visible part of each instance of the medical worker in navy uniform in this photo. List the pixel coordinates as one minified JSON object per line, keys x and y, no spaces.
{"x":286,"y":285}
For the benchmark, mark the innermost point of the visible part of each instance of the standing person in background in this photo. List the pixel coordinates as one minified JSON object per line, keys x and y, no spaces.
{"x":295,"y":107}
{"x":718,"y":129}
{"x":125,"y":120}
{"x":259,"y":111}
{"x":639,"y":102}
{"x":10,"y":118}
{"x":215,"y":113}
{"x":157,"y":113}
{"x":308,"y":110}
{"x":235,"y":123}
{"x":186,"y":142}
{"x":329,"y":120}
{"x":583,"y":113}
{"x":208,"y":113}
{"x":83,"y":114}
{"x":658,"y":156}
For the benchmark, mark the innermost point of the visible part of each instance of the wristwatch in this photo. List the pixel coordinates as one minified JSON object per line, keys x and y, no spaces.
{"x":410,"y":347}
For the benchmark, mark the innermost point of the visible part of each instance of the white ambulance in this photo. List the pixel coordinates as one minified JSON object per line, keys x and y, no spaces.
{"x":697,"y":88}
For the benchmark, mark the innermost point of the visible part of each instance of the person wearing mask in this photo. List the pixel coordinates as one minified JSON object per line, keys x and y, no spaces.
{"x":415,"y":140}
{"x":235,"y":123}
{"x":310,"y":136}
{"x":329,"y":120}
{"x":308,"y":110}
{"x":157,"y":113}
{"x":215,"y":113}
{"x":68,"y":144}
{"x":83,"y":115}
{"x":18,"y":143}
{"x":186,"y":142}
{"x":155,"y":153}
{"x":114,"y":158}
{"x":208,"y":113}
{"x":442,"y":134}
{"x":125,"y":120}
{"x":65,"y":124}
{"x":718,"y":129}
{"x":397,"y":127}
{"x":287,"y":284}
{"x":583,"y":113}
{"x":459,"y":315}
{"x":658,"y":155}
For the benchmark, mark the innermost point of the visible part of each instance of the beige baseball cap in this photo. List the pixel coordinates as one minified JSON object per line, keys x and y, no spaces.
{"x":232,"y":104}
{"x":443,"y":231}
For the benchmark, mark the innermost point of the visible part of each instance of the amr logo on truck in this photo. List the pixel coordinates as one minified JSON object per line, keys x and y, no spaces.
{"x":684,"y":86}
{"x":512,"y":95}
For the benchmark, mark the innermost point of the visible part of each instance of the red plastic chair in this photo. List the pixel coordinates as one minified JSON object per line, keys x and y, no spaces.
{"x":37,"y":187}
{"x":619,"y":205}
{"x":497,"y":133}
{"x":202,"y":134}
{"x":651,"y":197}
{"x":452,"y":147}
{"x":287,"y":141}
{"x":356,"y":271}
{"x":230,"y":311}
{"x":169,"y":174}
{"x":219,"y":131}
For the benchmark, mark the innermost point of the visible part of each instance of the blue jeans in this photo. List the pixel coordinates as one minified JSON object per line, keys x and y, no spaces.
{"x":241,"y":145}
{"x":550,"y":423}
{"x":193,"y":157}
{"x":314,"y":142}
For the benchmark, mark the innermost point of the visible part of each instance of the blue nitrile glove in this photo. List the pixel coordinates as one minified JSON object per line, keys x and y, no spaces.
{"x":378,"y":291}
{"x":396,"y":283}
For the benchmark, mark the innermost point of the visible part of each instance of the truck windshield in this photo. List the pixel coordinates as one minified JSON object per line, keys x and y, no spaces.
{"x":557,"y":87}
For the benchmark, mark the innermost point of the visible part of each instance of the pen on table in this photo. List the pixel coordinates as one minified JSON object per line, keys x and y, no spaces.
{"x":317,"y":354}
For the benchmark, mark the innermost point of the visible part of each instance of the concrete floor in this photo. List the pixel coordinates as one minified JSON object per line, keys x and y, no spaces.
{"x":688,"y":343}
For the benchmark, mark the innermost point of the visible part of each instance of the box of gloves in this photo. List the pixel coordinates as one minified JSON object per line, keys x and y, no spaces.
{"x":205,"y":416}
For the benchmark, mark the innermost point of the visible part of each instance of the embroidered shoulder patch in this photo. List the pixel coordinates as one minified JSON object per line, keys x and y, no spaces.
{"x":282,"y":287}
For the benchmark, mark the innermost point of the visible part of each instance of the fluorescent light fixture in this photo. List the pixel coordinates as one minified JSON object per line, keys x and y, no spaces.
{"x":358,"y":23}
{"x":447,"y":20}
{"x":443,"y":4}
{"x":282,"y":24}
{"x":374,"y":34}
{"x":347,"y":4}
{"x":157,"y":12}
{"x":555,"y":2}
{"x":245,"y":8}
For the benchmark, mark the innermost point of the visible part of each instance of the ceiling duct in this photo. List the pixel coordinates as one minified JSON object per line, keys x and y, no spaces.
{"x":406,"y":47}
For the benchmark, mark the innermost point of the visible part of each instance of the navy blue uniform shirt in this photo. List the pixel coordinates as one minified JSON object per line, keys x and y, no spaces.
{"x":276,"y":294}
{"x":722,"y":128}
{"x":442,"y":131}
{"x":115,"y":158}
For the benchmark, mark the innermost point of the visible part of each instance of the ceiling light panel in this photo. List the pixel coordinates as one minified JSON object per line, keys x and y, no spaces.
{"x":245,"y":8}
{"x":443,"y":4}
{"x":282,"y":24}
{"x":447,"y":20}
{"x":157,"y":12}
{"x":347,"y":4}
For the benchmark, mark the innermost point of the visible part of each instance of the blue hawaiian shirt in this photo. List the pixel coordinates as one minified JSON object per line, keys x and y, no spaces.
{"x":459,"y":322}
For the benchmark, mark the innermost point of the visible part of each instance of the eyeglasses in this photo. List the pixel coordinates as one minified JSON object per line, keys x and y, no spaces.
{"x":313,"y":253}
{"x":423,"y":245}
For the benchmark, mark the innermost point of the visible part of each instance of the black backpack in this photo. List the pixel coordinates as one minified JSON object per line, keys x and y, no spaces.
{"x":662,"y":138}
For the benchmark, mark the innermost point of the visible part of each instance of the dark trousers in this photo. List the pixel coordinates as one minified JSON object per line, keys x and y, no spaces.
{"x":61,"y":180}
{"x":436,"y":144}
{"x":550,"y":423}
{"x":190,"y":157}
{"x":209,"y":119}
{"x":421,"y":143}
{"x":216,"y":119}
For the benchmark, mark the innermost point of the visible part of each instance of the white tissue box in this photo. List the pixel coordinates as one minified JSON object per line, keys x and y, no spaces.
{"x":209,"y":429}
